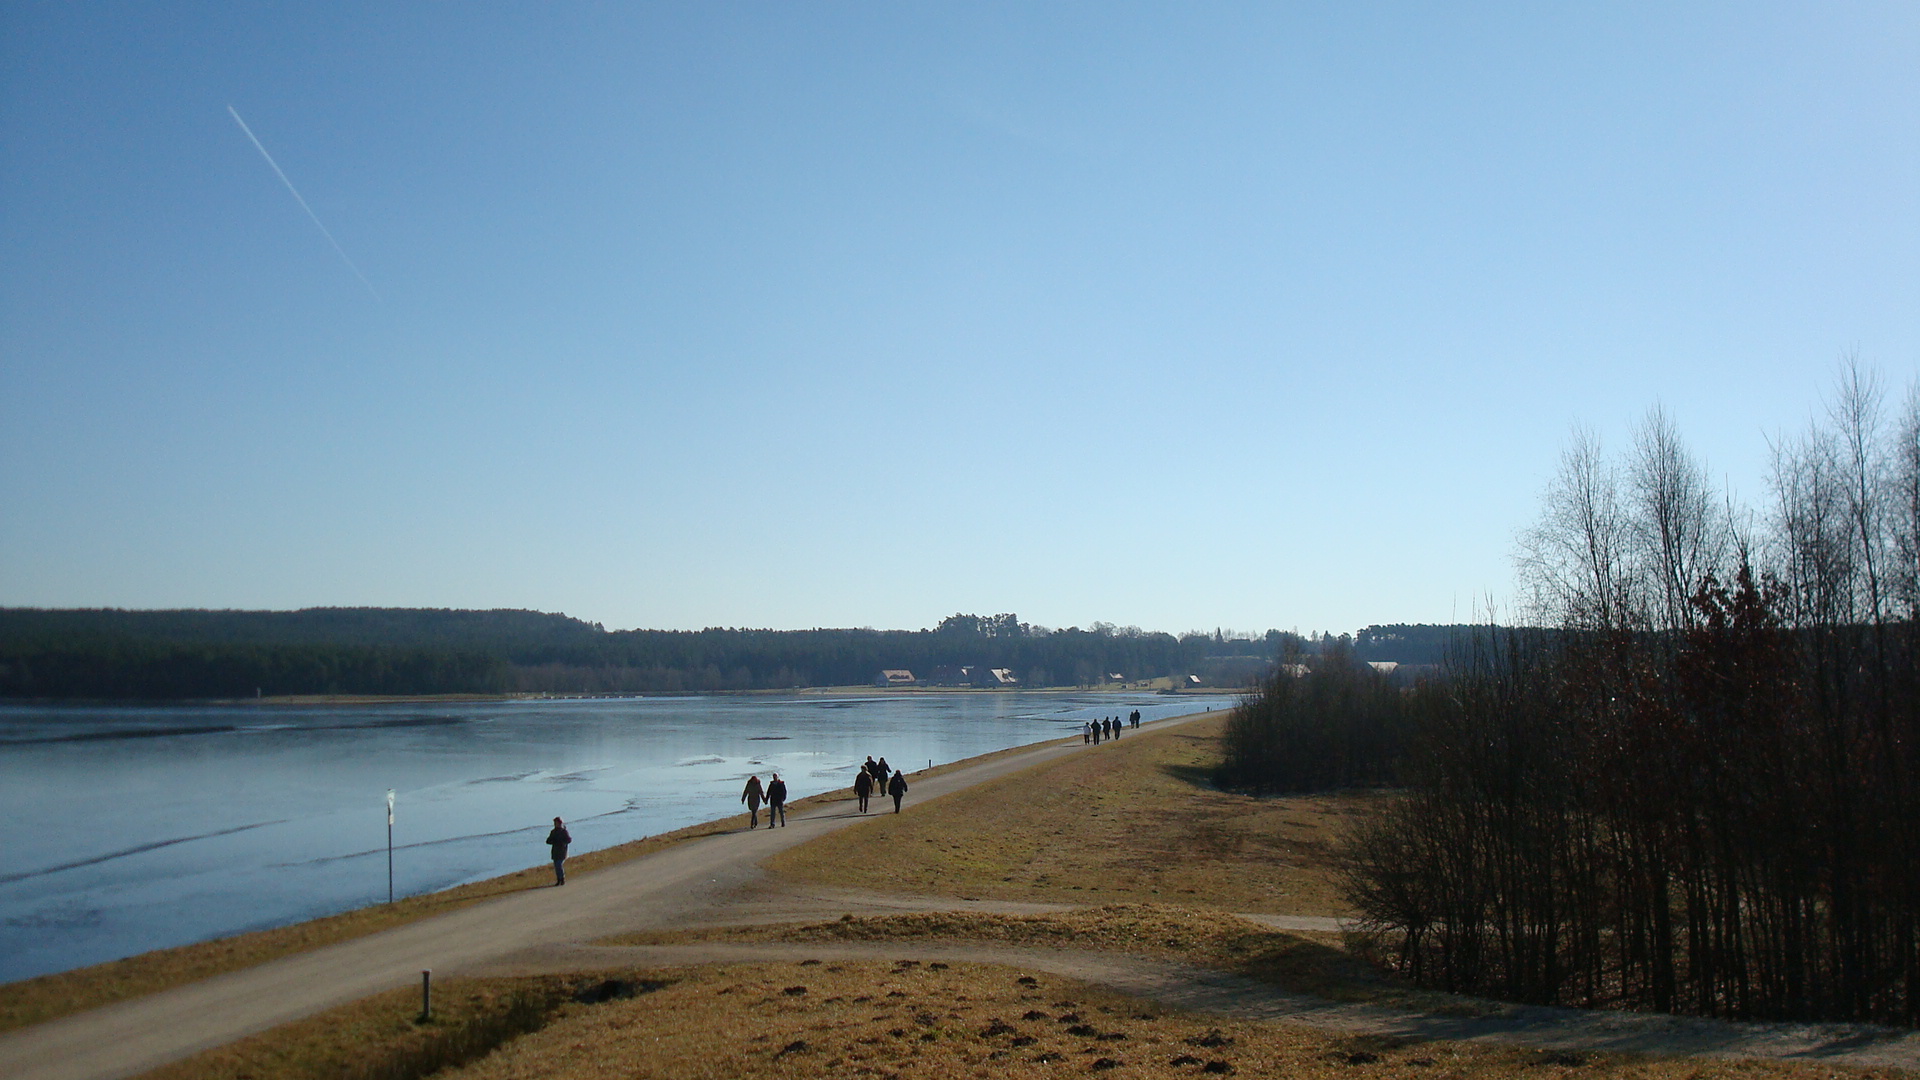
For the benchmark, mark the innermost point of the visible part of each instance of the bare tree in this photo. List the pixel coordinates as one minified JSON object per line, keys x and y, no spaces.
{"x":1700,"y":791}
{"x":1676,"y":530}
{"x":1903,"y":506}
{"x":1855,"y":413}
{"x":1813,"y":553}
{"x":1573,"y":563}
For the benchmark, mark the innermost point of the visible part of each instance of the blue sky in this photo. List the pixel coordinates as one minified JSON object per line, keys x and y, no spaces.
{"x":802,"y":315}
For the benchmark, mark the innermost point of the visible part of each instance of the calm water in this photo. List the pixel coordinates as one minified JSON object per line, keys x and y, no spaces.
{"x":129,"y":829}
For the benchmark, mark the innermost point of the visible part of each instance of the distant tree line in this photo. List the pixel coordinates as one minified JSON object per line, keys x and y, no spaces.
{"x":1409,"y":644}
{"x":1324,"y":717}
{"x":1321,"y":720}
{"x":220,"y":654}
{"x":162,"y":670}
{"x":1699,"y":791}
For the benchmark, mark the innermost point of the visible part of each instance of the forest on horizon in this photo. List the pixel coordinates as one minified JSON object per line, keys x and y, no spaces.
{"x":113,"y":654}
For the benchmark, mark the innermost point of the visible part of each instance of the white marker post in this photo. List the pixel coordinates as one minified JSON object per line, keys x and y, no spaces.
{"x":389,"y":845}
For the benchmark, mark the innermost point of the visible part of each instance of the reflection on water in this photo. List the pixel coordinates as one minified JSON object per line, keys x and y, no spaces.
{"x":130,"y":829}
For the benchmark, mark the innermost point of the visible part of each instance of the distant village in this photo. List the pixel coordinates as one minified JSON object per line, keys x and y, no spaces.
{"x":986,"y":678}
{"x":1250,"y":669}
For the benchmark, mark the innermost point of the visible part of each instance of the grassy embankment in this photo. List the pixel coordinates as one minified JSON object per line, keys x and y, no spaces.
{"x":46,"y":997}
{"x":1134,"y":820}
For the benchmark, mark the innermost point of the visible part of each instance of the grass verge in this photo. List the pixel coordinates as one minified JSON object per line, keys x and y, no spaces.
{"x":383,"y":1037}
{"x":813,"y":1021}
{"x":1134,"y":820}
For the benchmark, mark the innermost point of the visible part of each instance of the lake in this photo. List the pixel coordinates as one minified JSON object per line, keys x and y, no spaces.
{"x":136,"y":828}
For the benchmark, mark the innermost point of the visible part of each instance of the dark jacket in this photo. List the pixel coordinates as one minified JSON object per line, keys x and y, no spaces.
{"x":898,"y":785}
{"x":558,"y":840}
{"x":863,"y":783}
{"x":751,"y":796}
{"x":777,"y":792}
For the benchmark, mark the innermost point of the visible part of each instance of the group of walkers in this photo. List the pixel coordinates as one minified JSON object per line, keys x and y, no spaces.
{"x":873,"y":779}
{"x":1108,"y":727}
{"x":775,"y":796}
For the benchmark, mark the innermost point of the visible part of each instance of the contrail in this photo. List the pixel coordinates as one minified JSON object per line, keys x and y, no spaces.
{"x":303,"y":203}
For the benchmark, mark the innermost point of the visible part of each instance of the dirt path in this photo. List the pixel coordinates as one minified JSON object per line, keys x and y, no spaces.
{"x":717,"y":880}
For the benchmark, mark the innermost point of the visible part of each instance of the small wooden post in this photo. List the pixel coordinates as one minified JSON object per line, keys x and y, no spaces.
{"x":426,"y":995}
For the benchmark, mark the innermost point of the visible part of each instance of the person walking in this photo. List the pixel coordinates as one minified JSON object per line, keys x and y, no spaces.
{"x":897,"y":787}
{"x":1086,"y":732}
{"x":776,"y":802}
{"x":558,"y":840}
{"x":863,"y":787}
{"x":880,"y":773}
{"x":1116,"y":727}
{"x":752,"y":797}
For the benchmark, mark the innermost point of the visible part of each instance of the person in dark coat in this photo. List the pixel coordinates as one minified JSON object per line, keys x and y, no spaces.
{"x":863,"y":787}
{"x":776,"y":802}
{"x":1116,"y":727}
{"x":897,"y":787}
{"x":752,"y":797}
{"x":558,"y":840}
{"x":880,"y":773}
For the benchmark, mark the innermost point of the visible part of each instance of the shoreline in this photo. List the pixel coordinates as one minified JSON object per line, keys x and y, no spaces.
{"x":41,"y":998}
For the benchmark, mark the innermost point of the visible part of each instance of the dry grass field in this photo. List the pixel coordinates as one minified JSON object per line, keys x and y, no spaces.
{"x":890,"y":1021}
{"x":1133,"y":821}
